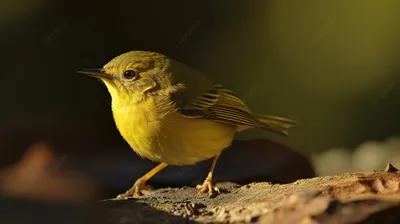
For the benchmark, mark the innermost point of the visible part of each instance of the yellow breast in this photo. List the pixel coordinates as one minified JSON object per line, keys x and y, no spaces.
{"x":139,"y":125}
{"x":167,"y":136}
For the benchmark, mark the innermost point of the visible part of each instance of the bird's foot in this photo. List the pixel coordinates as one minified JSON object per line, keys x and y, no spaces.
{"x":207,"y":186}
{"x":135,"y":190}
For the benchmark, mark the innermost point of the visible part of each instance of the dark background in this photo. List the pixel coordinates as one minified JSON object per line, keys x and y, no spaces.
{"x":331,"y":65}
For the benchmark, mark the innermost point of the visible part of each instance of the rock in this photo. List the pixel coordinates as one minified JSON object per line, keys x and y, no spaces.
{"x":372,"y":197}
{"x":390,"y":168}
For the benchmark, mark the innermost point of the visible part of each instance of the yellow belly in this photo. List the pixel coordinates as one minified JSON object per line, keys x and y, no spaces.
{"x":171,"y":137}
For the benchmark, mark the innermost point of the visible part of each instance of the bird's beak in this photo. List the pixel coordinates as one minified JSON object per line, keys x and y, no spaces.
{"x":96,"y":72}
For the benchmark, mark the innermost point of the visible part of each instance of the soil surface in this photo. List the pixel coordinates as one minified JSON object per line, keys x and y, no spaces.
{"x":372,"y":197}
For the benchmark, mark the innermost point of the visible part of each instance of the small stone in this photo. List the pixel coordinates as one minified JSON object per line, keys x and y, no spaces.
{"x":390,"y":168}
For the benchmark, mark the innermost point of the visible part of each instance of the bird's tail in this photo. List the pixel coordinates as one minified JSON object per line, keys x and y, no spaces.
{"x":278,"y":125}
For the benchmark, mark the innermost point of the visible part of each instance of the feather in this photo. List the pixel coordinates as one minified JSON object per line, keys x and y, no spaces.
{"x":222,"y":105}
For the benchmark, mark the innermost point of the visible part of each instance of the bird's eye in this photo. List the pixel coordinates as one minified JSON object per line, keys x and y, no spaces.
{"x":130,"y":74}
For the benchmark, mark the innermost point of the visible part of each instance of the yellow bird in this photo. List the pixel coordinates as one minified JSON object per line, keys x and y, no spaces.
{"x":172,"y":114}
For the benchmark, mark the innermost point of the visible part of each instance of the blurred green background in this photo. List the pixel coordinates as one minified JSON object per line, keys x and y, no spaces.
{"x":332,"y":65}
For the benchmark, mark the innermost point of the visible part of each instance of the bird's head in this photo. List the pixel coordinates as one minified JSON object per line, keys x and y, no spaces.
{"x":133,"y":76}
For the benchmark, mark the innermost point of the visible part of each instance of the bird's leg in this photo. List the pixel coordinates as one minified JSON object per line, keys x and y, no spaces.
{"x":140,"y":183}
{"x":208,"y":185}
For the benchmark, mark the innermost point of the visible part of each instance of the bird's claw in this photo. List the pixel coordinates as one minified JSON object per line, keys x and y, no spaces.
{"x":207,"y":186}
{"x":135,"y":190}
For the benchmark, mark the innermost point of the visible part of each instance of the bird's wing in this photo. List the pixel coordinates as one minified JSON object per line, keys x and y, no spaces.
{"x":219,"y":104}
